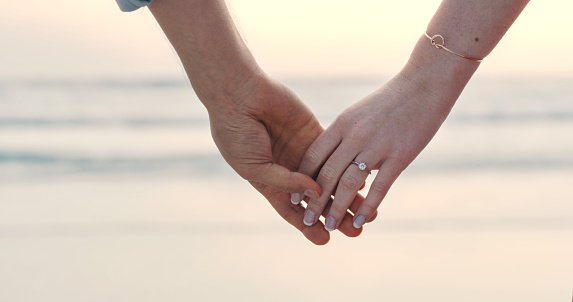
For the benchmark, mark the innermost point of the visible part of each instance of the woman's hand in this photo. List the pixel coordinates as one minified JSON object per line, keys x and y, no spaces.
{"x":386,"y":131}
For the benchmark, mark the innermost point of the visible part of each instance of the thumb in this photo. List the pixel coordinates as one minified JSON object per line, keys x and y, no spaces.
{"x":284,"y":180}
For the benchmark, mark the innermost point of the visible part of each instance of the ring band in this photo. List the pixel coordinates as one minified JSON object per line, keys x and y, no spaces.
{"x":361,"y":166}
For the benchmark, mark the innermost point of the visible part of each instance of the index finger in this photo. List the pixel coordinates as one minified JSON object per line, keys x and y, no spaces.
{"x":317,"y":154}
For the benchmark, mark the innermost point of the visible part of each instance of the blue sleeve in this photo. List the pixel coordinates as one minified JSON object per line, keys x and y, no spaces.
{"x":131,"y":5}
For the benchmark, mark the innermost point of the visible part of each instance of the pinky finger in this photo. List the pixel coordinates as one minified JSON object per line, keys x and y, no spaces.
{"x":358,"y":200}
{"x":346,"y":226}
{"x":389,"y":171}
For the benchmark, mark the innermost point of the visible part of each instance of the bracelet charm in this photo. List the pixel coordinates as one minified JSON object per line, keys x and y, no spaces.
{"x":442,"y":45}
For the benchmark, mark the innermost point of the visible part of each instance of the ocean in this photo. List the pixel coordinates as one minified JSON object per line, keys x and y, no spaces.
{"x":113,"y":190}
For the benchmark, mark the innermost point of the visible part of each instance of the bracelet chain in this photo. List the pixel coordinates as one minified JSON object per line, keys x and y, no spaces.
{"x":442,"y":45}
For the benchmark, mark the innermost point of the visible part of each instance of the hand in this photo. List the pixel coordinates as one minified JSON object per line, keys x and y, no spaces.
{"x":261,"y":128}
{"x":386,"y":131}
{"x":263,"y":134}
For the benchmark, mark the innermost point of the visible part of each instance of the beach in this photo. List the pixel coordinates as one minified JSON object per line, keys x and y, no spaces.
{"x":113,"y":190}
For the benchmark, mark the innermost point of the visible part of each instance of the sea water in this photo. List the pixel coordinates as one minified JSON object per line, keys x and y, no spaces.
{"x":113,"y":190}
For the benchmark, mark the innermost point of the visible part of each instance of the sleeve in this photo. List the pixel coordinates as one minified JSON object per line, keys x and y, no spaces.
{"x":131,"y":5}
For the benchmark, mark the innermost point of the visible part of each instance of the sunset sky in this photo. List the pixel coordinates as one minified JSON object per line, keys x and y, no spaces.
{"x":93,"y":39}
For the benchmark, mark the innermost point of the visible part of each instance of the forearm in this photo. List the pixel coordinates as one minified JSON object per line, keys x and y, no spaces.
{"x":215,"y":58}
{"x":472,"y":28}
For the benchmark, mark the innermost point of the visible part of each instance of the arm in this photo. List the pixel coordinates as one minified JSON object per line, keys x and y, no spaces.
{"x":215,"y":58}
{"x":390,"y":127}
{"x":254,"y":119}
{"x":472,"y":28}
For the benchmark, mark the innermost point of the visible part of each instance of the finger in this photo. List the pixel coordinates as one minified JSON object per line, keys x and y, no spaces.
{"x":347,"y":189}
{"x":314,"y":157}
{"x":358,"y":200}
{"x":293,"y":214}
{"x":328,"y":178}
{"x":318,"y":153}
{"x":361,"y":187}
{"x":346,"y":227}
{"x":373,"y":217}
{"x":284,"y":180}
{"x":389,"y":171}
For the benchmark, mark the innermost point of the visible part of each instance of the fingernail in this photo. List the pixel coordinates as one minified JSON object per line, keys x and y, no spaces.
{"x":295,"y":198}
{"x":312,"y":194}
{"x":359,"y":221}
{"x":308,"y":218}
{"x":330,"y":224}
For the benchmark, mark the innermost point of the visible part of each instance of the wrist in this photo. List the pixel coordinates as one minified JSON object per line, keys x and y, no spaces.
{"x":216,"y":59}
{"x":225,"y":83}
{"x":443,"y":74}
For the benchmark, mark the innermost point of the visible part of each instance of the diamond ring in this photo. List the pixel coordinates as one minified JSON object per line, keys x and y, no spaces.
{"x":361,"y":166}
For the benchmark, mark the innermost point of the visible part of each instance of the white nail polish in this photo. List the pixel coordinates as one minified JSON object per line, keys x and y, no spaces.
{"x":359,"y":221}
{"x":330,"y":224}
{"x":308,"y":218}
{"x":295,"y":198}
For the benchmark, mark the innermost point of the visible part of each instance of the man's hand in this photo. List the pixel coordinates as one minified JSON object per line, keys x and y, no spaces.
{"x":264,"y":136}
{"x":261,"y":128}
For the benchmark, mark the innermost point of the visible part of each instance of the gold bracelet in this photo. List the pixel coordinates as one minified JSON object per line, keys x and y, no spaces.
{"x":443,"y":46}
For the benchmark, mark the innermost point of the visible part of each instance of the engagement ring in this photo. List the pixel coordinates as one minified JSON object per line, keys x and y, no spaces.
{"x":361,"y":166}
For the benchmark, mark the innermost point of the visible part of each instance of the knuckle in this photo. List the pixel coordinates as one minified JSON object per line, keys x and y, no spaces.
{"x":311,"y":157}
{"x":400,"y":153}
{"x":315,"y":204}
{"x":327,"y":174}
{"x":401,"y":147}
{"x":368,"y":209}
{"x":349,"y":182}
{"x":337,"y":211}
{"x":252,"y":173}
{"x":380,"y":188}
{"x":360,"y":134}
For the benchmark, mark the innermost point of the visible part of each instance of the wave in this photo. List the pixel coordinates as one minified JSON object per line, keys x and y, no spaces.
{"x":54,"y":164}
{"x":87,"y":122}
{"x":204,"y":121}
{"x":527,"y":117}
{"x":109,"y":83}
{"x":42,"y":164}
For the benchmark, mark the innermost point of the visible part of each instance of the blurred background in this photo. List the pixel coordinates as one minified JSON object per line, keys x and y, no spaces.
{"x":111,"y":188}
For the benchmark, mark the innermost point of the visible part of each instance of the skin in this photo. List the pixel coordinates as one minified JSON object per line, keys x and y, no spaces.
{"x":390,"y":127}
{"x":261,"y":127}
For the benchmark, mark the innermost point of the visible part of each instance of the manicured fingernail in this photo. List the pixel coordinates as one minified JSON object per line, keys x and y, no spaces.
{"x":295,"y":198}
{"x":308,"y":218}
{"x":359,"y":221}
{"x":330,"y":224}
{"x":312,"y":194}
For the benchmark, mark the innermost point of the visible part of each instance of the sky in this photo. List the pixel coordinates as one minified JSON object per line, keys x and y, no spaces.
{"x":92,"y":39}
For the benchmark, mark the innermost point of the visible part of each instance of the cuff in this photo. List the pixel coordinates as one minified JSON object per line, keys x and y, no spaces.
{"x":131,"y":5}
